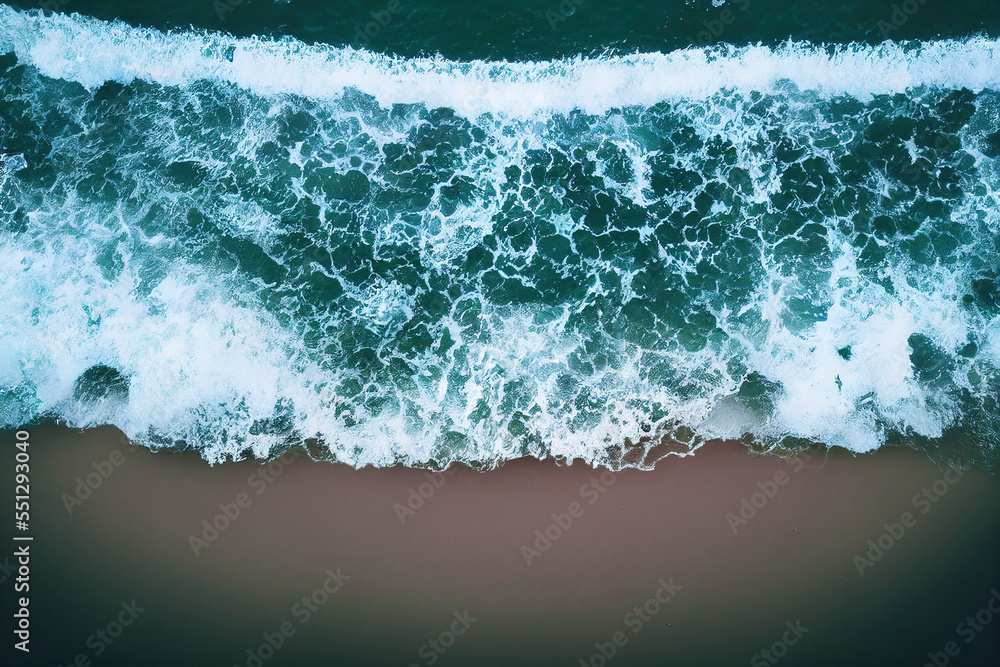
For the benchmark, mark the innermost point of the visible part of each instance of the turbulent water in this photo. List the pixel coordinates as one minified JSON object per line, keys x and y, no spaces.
{"x":237,"y":243}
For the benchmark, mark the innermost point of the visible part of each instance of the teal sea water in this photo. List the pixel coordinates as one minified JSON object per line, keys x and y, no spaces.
{"x":421,"y":233}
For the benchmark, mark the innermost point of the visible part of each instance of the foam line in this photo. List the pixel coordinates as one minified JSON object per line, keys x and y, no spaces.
{"x":92,"y":52}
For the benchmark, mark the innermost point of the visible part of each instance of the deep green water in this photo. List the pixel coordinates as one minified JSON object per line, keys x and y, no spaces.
{"x":545,"y":29}
{"x":237,"y":241}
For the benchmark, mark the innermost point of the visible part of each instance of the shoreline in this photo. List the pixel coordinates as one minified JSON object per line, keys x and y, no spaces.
{"x":953,"y":450}
{"x":552,"y":561}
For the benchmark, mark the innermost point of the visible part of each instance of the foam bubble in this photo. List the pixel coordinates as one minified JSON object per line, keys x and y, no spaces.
{"x":92,"y":52}
{"x":211,"y":283}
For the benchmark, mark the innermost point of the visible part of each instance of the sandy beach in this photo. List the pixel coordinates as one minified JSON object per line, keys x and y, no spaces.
{"x":713,"y":559}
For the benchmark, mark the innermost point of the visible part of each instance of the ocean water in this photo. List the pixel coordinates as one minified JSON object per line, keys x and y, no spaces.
{"x":488,"y":231}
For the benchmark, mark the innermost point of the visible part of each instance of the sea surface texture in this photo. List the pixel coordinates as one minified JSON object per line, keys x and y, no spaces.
{"x":569,"y":234}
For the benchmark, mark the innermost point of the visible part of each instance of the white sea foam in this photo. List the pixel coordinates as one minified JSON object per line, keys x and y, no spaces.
{"x":207,"y":364}
{"x":92,"y":52}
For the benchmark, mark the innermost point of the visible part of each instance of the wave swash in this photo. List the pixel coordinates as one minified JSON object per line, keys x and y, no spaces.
{"x":234,"y":244}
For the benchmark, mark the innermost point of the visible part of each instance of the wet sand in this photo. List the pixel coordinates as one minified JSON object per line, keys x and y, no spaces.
{"x":462,"y":564}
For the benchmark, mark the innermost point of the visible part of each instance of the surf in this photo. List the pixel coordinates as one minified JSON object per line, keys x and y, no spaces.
{"x":92,"y":52}
{"x":237,"y":244}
